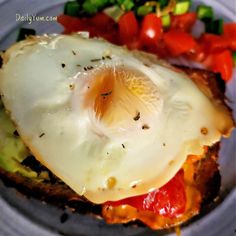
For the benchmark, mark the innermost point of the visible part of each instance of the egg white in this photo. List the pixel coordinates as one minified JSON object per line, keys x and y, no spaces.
{"x":152,"y":124}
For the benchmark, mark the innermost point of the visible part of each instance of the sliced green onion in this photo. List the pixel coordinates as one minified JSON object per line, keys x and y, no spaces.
{"x":208,"y":24}
{"x":72,"y":8}
{"x":93,"y":6}
{"x":144,"y":10}
{"x":115,"y":12}
{"x":126,"y":5}
{"x":24,"y":32}
{"x":166,"y":19}
{"x":204,"y":11}
{"x":163,"y":3}
{"x":181,"y":7}
{"x":217,"y":26}
{"x":234,"y":58}
{"x":213,"y":26}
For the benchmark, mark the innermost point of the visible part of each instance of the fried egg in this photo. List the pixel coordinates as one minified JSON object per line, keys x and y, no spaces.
{"x":109,"y":122}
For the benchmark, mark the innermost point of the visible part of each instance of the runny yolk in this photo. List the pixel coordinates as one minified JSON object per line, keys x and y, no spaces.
{"x":118,"y":94}
{"x":101,"y":91}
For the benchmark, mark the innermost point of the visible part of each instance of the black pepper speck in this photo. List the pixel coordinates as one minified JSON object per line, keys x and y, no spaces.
{"x":41,"y":135}
{"x":137,"y":116}
{"x":16,"y":133}
{"x":145,"y":127}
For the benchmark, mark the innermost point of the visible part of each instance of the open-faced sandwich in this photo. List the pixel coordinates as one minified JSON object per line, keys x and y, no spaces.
{"x":121,"y":129}
{"x":121,"y":133}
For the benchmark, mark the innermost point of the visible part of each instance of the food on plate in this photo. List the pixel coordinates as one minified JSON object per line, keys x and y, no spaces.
{"x":164,"y":28}
{"x":125,"y":131}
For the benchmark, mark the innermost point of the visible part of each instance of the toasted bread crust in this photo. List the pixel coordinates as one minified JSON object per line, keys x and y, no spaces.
{"x":207,"y":175}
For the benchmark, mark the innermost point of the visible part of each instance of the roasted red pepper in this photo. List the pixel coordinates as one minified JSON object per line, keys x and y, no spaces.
{"x":169,"y":200}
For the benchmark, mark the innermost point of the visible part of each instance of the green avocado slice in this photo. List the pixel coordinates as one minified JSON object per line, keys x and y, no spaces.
{"x":12,"y":149}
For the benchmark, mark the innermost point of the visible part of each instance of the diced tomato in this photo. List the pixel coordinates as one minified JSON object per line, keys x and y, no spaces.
{"x":183,"y":22}
{"x":207,"y":46}
{"x":169,"y":200}
{"x":102,"y":21}
{"x":179,"y":42}
{"x":135,"y":44}
{"x":128,"y":28}
{"x":229,"y":32}
{"x":70,"y":23}
{"x":207,"y":62}
{"x":151,"y":30}
{"x":64,"y":20}
{"x":214,"y":43}
{"x":160,"y":50}
{"x":74,"y":24}
{"x":99,"y":25}
{"x":198,"y":53}
{"x":221,"y":62}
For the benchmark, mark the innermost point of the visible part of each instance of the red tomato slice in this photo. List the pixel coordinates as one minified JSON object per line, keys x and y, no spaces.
{"x":128,"y":28}
{"x":179,"y":42}
{"x":221,"y":62}
{"x":230,"y":33}
{"x":169,"y":200}
{"x":183,"y":22}
{"x":151,"y":30}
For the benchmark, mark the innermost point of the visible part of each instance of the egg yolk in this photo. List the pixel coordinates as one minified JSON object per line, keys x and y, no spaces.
{"x":116,"y":94}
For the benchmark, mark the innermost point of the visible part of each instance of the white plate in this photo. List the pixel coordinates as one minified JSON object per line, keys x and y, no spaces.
{"x":26,"y":217}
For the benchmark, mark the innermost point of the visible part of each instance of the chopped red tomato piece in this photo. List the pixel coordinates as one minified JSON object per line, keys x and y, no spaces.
{"x":99,"y":25}
{"x":128,"y":28}
{"x":221,"y":62}
{"x":135,"y":44}
{"x":198,"y":53}
{"x":214,"y":43}
{"x":102,"y":21}
{"x":151,"y":30}
{"x":70,"y":23}
{"x":230,"y":33}
{"x":169,"y":200}
{"x":160,"y":50}
{"x":183,"y":22}
{"x":179,"y":42}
